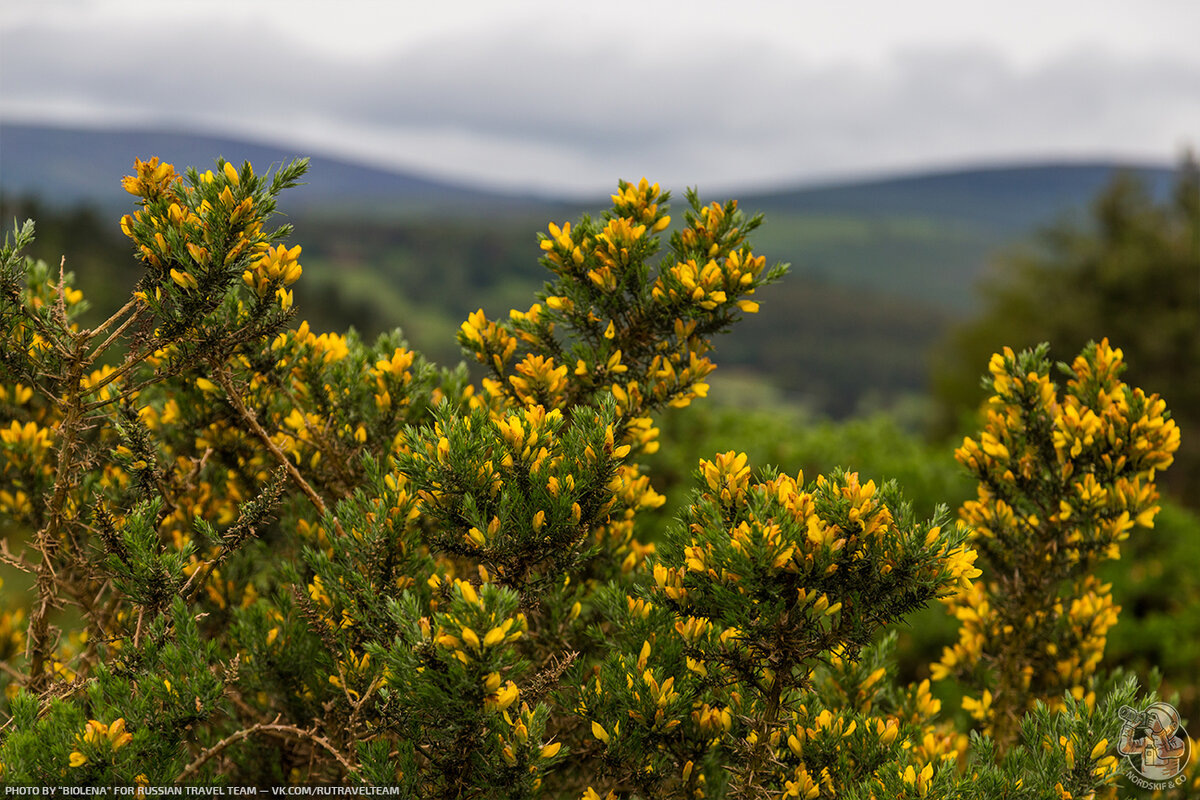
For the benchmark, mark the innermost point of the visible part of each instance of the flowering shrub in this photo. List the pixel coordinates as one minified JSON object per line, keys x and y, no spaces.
{"x":257,"y":555}
{"x":1062,"y":482}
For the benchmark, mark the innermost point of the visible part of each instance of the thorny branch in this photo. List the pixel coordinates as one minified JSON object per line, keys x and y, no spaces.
{"x":270,"y":728}
{"x":248,"y":416}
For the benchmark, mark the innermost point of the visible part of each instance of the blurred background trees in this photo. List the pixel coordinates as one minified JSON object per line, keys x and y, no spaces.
{"x":1130,"y":272}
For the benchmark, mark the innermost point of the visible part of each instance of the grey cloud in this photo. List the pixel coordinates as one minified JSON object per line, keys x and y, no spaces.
{"x":722,"y":113}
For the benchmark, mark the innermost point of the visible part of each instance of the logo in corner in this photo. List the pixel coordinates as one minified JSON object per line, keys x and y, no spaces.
{"x":1155,"y":745}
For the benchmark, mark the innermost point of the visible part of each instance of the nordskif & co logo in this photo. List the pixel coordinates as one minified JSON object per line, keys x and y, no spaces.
{"x":1155,"y":745}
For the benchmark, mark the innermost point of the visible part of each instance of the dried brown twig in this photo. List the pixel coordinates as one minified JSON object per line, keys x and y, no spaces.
{"x":273,"y":728}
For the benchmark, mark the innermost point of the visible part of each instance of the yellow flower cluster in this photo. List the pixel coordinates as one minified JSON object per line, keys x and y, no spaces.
{"x":33,"y":440}
{"x":1063,"y":479}
{"x":277,"y":268}
{"x":711,"y":284}
{"x":98,"y":736}
{"x":26,"y":453}
{"x":795,"y":537}
{"x":457,"y":634}
{"x":492,"y":344}
{"x":194,"y":232}
{"x":151,"y":180}
{"x":597,"y":270}
{"x":539,"y":381}
{"x":639,"y":203}
{"x":1108,"y":441}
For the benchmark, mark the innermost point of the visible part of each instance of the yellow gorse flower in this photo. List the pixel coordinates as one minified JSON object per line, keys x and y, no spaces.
{"x":278,"y":267}
{"x":98,"y":734}
{"x":151,"y":178}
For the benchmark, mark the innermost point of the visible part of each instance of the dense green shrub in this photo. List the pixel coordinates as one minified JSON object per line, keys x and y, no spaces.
{"x":1154,"y":583}
{"x":261,"y":556}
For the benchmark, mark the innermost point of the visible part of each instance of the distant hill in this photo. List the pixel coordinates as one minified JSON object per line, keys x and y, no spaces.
{"x":1009,"y":199}
{"x":930,"y":237}
{"x":924,"y":237}
{"x":65,"y":167}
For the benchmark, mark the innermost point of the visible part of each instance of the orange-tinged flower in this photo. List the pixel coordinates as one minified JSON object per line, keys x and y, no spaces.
{"x":151,"y":178}
{"x":184,"y":279}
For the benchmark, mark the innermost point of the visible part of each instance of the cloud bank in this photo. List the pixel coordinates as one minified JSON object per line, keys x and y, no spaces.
{"x":527,"y":106}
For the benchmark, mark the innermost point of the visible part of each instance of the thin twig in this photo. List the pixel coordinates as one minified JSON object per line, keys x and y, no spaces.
{"x":61,"y":292}
{"x":120,"y":329}
{"x":199,"y":577}
{"x":248,"y":416}
{"x":137,"y":634}
{"x":131,"y":361}
{"x":120,"y":372}
{"x":356,"y":708}
{"x":50,"y":396}
{"x":103,"y":326}
{"x":18,"y":562}
{"x":4,"y":665}
{"x":50,"y":335}
{"x":270,"y":728}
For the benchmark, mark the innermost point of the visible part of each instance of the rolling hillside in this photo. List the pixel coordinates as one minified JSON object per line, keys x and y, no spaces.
{"x":1013,"y":198}
{"x":75,"y":166}
{"x":929,"y":237}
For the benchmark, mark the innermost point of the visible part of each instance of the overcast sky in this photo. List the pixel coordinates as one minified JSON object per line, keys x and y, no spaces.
{"x":567,"y":97}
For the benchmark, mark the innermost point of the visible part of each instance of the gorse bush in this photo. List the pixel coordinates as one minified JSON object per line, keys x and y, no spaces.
{"x":1063,"y":479}
{"x":256,"y":555}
